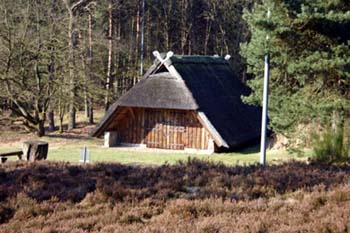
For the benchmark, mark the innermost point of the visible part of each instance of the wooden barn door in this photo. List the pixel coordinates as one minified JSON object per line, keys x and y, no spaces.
{"x":165,"y":129}
{"x":175,"y":130}
{"x":153,"y":128}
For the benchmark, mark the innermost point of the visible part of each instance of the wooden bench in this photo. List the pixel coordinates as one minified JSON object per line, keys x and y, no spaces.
{"x":4,"y":156}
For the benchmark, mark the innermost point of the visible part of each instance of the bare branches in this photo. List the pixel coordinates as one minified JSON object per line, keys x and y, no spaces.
{"x":78,"y":6}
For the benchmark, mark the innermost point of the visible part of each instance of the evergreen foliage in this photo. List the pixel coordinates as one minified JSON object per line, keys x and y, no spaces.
{"x":310,"y":55}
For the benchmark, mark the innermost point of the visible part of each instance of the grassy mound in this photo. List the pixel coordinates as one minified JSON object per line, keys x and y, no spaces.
{"x":187,"y":197}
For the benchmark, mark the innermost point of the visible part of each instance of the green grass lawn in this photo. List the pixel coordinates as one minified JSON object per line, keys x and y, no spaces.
{"x":70,"y":152}
{"x":62,"y":148}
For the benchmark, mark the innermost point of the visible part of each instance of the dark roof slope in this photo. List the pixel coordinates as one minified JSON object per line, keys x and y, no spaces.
{"x":218,"y":92}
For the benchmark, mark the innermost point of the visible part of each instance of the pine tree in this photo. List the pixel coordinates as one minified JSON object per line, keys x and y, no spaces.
{"x":310,"y":53}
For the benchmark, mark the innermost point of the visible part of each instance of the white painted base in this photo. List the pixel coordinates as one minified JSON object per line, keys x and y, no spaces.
{"x":132,"y":145}
{"x":111,"y":139}
{"x":209,"y":151}
{"x":211,"y":145}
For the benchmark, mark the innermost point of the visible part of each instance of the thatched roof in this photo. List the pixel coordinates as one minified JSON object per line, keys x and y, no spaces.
{"x":202,"y":83}
{"x":161,"y":90}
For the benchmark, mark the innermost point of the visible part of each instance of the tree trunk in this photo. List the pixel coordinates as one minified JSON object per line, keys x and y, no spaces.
{"x":41,"y":128}
{"x":91,"y":76}
{"x":91,"y":112}
{"x":51,"y":118}
{"x":183,"y":26}
{"x":207,"y":35}
{"x":35,"y":150}
{"x":189,"y":43}
{"x":166,"y":24}
{"x":118,"y":57}
{"x":85,"y":86}
{"x":72,"y":91}
{"x":110,"y":54}
{"x":61,"y":125}
{"x":61,"y":113}
{"x":51,"y":115}
{"x":227,"y":51}
{"x":138,"y":31}
{"x":72,"y":116}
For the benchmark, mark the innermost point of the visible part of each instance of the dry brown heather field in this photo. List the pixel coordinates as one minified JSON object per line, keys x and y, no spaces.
{"x":192,"y":196}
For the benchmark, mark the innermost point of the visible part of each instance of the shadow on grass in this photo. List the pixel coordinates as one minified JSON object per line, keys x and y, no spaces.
{"x":68,"y":136}
{"x":253,"y":149}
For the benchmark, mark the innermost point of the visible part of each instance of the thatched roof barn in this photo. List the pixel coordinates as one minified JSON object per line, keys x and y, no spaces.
{"x":187,"y":103}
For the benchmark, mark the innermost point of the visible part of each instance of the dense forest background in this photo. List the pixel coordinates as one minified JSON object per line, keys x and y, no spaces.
{"x":58,"y":56}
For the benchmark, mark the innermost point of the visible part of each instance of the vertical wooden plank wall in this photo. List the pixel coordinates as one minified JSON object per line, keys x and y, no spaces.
{"x":161,"y":128}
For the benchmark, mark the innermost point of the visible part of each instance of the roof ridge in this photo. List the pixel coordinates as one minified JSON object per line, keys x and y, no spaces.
{"x":164,"y":74}
{"x":198,"y":59}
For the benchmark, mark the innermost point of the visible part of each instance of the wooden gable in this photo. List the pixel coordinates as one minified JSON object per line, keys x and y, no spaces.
{"x":160,"y":128}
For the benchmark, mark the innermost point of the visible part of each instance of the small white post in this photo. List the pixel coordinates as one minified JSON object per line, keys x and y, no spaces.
{"x":85,"y":155}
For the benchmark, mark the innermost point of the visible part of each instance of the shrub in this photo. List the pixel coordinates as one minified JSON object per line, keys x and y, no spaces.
{"x":330,"y":146}
{"x":6,"y":214}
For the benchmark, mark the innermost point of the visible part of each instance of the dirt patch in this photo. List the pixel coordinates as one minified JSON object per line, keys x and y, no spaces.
{"x":13,"y":133}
